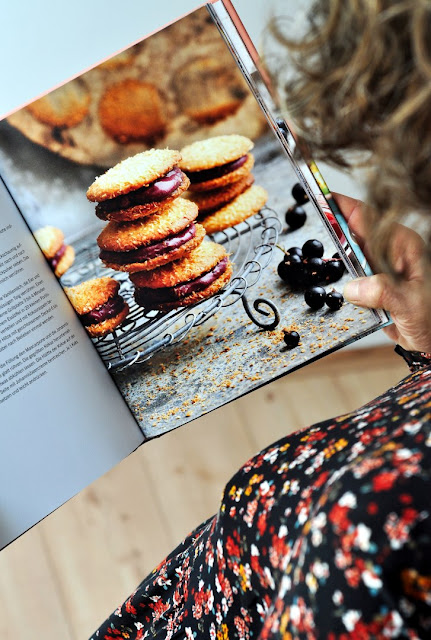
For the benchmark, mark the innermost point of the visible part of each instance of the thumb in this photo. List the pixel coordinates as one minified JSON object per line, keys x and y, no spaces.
{"x":374,"y":292}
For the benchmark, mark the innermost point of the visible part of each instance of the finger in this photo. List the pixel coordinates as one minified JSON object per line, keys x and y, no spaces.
{"x":406,"y":252}
{"x":373,"y":292}
{"x":406,"y":245}
{"x":392,"y":333}
{"x":352,"y":211}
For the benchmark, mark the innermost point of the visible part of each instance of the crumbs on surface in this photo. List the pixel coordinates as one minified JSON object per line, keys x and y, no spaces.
{"x":191,"y":367}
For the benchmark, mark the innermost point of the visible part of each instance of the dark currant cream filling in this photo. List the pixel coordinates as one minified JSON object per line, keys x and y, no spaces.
{"x":57,"y":256}
{"x":155,"y":192}
{"x":147,"y":296}
{"x":150,"y":251}
{"x":196,"y":177}
{"x":108,"y":310}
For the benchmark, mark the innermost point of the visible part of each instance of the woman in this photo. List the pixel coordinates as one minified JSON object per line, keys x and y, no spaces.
{"x":327,"y":533}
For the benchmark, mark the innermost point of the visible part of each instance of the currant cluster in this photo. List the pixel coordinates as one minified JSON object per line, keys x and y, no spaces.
{"x":306,"y":270}
{"x":296,"y":216}
{"x":305,"y":267}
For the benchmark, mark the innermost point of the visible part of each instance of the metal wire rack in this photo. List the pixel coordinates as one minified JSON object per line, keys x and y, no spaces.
{"x":147,"y":331}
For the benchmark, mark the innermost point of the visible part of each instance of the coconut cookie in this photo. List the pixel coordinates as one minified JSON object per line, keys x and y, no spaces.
{"x":158,"y":239}
{"x":59,"y":255}
{"x":63,"y":108}
{"x":131,"y":111}
{"x":196,"y":277}
{"x":138,"y":186}
{"x":244,"y":206}
{"x":217,"y":162}
{"x":99,"y":305}
{"x":210,"y":201}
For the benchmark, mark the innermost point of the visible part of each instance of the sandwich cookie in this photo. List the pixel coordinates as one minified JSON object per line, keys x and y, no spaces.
{"x":138,"y":186}
{"x":210,"y":201}
{"x":100,"y":307}
{"x":217,"y":162}
{"x":158,"y":239}
{"x":196,"y":277}
{"x":59,"y":255}
{"x":247,"y":204}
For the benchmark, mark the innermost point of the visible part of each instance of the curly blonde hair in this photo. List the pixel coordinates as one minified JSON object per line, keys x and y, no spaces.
{"x":362,"y":81}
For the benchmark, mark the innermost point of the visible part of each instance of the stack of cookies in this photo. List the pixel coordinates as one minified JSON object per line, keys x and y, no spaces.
{"x":221,"y":182}
{"x":150,"y":225}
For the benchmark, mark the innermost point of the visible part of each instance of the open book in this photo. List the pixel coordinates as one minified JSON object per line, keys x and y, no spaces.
{"x":148,"y":211}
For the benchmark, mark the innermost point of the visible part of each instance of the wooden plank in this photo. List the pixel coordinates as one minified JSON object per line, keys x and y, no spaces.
{"x":31,"y":603}
{"x":103,"y":541}
{"x":362,"y":387}
{"x":190,"y":467}
{"x":286,"y":406}
{"x":329,"y":387}
{"x":358,"y":360}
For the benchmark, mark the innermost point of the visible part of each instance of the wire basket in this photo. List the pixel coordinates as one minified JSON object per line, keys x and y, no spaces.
{"x":147,"y":331}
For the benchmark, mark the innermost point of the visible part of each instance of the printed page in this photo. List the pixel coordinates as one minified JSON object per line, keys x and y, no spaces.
{"x":190,"y":263}
{"x":63,"y":421}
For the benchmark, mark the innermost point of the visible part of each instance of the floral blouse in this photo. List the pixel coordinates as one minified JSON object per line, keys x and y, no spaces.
{"x":324,"y":535}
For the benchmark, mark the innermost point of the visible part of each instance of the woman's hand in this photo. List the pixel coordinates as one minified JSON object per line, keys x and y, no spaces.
{"x":405,"y":300}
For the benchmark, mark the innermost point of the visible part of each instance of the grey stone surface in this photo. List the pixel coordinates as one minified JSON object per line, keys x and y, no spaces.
{"x":229,"y":356}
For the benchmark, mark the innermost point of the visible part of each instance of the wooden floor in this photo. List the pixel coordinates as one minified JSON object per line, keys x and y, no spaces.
{"x":62,"y":578}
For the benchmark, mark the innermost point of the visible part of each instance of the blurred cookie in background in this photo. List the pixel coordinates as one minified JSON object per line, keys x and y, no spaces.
{"x":177,"y":86}
{"x":208,"y":91}
{"x":132,"y":111}
{"x":64,"y":107}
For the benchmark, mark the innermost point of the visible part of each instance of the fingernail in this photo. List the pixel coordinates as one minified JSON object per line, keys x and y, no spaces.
{"x":351,"y":290}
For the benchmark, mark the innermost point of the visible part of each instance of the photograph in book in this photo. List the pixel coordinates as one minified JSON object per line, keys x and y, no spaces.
{"x":176,"y":224}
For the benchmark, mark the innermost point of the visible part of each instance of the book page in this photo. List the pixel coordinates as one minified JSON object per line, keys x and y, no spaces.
{"x":184,"y":289}
{"x":62,"y":420}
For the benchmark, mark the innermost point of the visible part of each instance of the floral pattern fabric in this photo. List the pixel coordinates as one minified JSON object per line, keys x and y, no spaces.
{"x":324,"y":535}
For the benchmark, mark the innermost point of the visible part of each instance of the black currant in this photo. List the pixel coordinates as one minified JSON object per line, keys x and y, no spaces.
{"x":334,"y":300}
{"x":298,"y":192}
{"x":296,"y":275}
{"x":295,"y":217}
{"x":283,"y":271}
{"x":292,"y":259}
{"x":312,"y":249}
{"x":314,"y":268}
{"x":334,"y":270}
{"x":297,"y":251}
{"x":302,"y":279}
{"x":291,"y":339}
{"x":315,"y":297}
